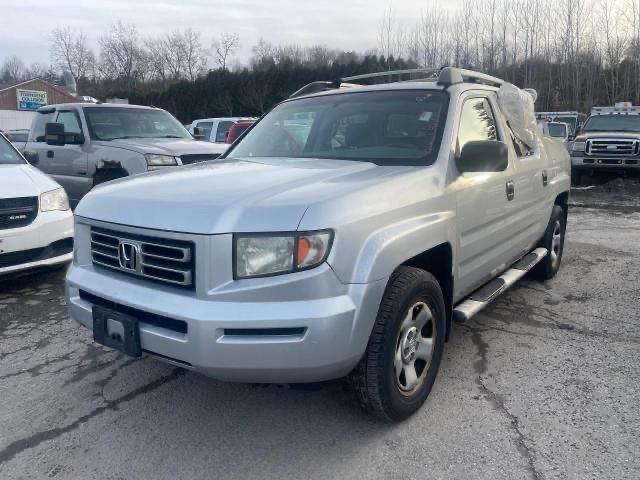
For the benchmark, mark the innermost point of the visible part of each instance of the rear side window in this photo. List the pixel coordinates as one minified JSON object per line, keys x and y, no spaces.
{"x":223,"y":130}
{"x":37,"y":131}
{"x":206,"y":129}
{"x":477,"y":122}
{"x":70,"y":121}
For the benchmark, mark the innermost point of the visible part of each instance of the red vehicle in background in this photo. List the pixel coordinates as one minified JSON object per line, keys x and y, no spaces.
{"x":238,"y":129}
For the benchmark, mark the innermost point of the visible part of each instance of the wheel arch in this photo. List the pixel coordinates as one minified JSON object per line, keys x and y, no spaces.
{"x":438,"y":261}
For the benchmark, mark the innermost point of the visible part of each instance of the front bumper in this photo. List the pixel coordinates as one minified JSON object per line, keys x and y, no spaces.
{"x":235,"y":340}
{"x":604,"y":163}
{"x":45,"y":242}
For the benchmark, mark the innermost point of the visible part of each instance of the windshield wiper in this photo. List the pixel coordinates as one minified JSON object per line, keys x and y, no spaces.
{"x":169,"y":136}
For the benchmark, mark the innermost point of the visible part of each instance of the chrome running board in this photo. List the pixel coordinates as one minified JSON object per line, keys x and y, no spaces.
{"x":491,"y":290}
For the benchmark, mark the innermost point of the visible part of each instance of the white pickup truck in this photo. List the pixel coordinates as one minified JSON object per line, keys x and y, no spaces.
{"x":341,"y":236}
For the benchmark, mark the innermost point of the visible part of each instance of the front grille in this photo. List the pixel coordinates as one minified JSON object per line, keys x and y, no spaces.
{"x":158,"y":259}
{"x":197,"y":158}
{"x":613,"y":146}
{"x":17,"y":212}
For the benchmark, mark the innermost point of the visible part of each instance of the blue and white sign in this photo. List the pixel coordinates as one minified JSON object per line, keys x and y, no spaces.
{"x":31,"y":99}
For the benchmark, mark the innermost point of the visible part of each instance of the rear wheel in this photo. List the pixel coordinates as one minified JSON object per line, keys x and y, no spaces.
{"x":403,"y":355}
{"x":553,"y":241}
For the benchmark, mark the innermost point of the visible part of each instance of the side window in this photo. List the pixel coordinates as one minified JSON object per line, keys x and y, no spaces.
{"x":37,"y":132}
{"x":477,"y":122}
{"x":521,"y":148}
{"x":206,"y":129}
{"x":70,"y":121}
{"x":223,"y":130}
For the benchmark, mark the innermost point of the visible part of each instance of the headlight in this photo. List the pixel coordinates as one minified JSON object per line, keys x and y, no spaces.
{"x":161,"y":160}
{"x":578,"y":146}
{"x":54,"y":200}
{"x":260,"y":255}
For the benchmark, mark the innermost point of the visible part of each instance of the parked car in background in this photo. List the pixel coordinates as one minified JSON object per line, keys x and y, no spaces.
{"x":36,"y":224}
{"x":340,"y":236}
{"x":572,"y":118}
{"x":609,"y":140}
{"x":238,"y":129}
{"x":85,"y":144}
{"x":215,"y":130}
{"x":18,"y":138}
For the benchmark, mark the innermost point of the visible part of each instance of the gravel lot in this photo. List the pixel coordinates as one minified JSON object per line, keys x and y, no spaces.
{"x":544,"y":384}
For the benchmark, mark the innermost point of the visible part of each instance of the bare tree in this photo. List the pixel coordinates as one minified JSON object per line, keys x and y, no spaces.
{"x":120,"y":54}
{"x":192,"y":54}
{"x":69,"y":51}
{"x":13,"y":69}
{"x":224,"y":47}
{"x":391,"y":38}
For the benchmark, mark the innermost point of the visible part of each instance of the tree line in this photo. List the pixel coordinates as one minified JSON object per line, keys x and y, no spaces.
{"x":576,"y":53}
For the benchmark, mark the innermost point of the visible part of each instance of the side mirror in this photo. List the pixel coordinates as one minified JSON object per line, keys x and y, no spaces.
{"x":198,"y":133}
{"x":483,"y":156}
{"x":54,"y":134}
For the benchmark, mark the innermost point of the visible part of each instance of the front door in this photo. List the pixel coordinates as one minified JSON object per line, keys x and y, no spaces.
{"x":485,"y":205}
{"x":67,"y":164}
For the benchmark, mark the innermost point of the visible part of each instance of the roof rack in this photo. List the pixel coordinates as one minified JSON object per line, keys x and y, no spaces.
{"x":446,"y":77}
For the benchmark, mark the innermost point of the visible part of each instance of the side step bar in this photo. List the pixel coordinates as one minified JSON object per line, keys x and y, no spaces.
{"x":489,"y":291}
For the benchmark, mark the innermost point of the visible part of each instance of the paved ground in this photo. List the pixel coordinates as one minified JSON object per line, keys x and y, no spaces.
{"x":545,"y":384}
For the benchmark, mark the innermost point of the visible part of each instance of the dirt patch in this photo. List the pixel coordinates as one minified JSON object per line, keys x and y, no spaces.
{"x":618,"y":192}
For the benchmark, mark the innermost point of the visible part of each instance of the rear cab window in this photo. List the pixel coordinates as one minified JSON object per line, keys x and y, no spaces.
{"x":42,"y":118}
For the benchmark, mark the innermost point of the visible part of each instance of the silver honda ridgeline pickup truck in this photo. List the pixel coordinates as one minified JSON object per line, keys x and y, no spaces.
{"x":340,"y":236}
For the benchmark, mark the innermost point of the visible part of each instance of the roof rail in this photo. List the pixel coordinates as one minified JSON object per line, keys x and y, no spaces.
{"x":452,"y":76}
{"x":446,"y":77}
{"x":431,"y":73}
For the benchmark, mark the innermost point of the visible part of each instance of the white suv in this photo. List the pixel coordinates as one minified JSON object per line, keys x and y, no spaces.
{"x":36,"y":224}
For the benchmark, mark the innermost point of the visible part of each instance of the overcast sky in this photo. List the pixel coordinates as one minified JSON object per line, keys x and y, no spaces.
{"x":346,"y":24}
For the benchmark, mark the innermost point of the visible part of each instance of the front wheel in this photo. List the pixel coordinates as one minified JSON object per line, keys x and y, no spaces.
{"x":399,"y":367}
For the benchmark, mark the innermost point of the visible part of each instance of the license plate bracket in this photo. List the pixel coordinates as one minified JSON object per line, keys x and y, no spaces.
{"x":116,"y":330}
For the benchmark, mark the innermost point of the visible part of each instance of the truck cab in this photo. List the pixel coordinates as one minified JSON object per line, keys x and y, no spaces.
{"x":82,"y":145}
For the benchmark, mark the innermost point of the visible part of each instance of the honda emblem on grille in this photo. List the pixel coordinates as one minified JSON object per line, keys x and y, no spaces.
{"x":128,"y":256}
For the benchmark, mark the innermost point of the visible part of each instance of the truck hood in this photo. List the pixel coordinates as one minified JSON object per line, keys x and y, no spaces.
{"x":588,"y":135}
{"x":247,"y":195}
{"x":23,"y":181}
{"x":166,"y":146}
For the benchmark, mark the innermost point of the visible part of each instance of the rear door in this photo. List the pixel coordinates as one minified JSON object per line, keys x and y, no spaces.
{"x":485,"y":201}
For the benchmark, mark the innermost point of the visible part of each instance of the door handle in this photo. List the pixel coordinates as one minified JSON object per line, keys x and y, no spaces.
{"x":511,"y":191}
{"x":49,"y":153}
{"x":545,"y":178}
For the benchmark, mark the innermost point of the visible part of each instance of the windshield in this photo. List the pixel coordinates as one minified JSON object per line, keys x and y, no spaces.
{"x":557,"y":130}
{"x":571,"y":121}
{"x":387,"y":128}
{"x":111,"y":123}
{"x":613,"y":123}
{"x":8,"y":154}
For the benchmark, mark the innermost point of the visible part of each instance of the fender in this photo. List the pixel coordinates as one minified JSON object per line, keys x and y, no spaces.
{"x":395,"y":244}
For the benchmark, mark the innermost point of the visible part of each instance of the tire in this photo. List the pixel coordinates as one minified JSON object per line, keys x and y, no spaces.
{"x":553,"y":241}
{"x":412,"y":306}
{"x":107,"y":175}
